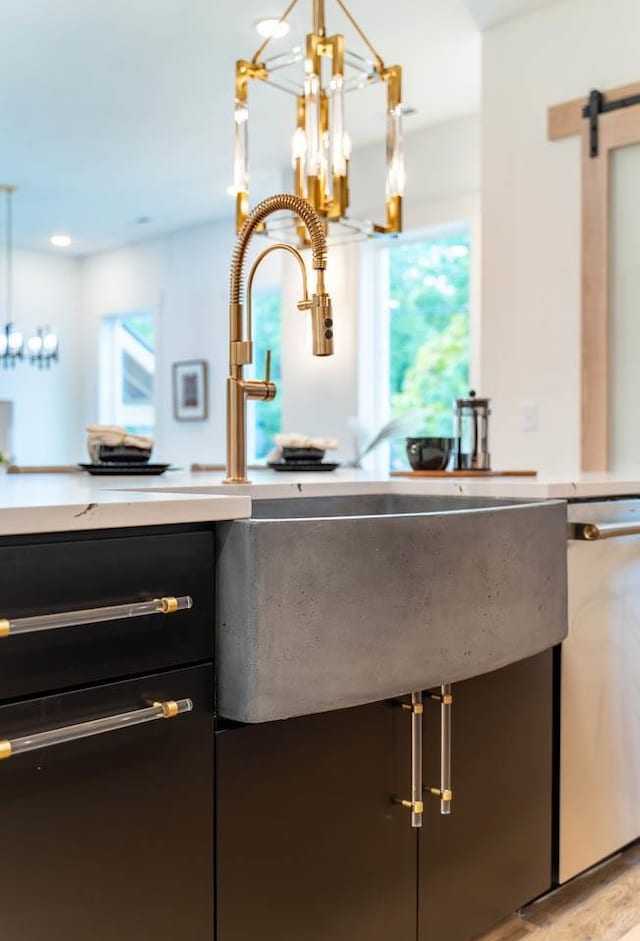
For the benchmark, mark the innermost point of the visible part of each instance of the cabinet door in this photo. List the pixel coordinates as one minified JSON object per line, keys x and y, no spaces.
{"x":494,"y":852}
{"x":310,"y":845}
{"x":110,"y":838}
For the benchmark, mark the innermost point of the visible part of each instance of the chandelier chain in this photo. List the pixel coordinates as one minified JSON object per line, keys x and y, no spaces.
{"x":319,"y":24}
{"x":362,"y":35}
{"x":8,"y":248}
{"x":8,"y":261}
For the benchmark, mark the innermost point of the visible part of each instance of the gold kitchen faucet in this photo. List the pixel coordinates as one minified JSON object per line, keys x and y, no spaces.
{"x":239,"y":389}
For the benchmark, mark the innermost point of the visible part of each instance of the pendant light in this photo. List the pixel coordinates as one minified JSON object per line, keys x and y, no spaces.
{"x":11,"y":338}
{"x":320,"y":76}
{"x":42,"y":347}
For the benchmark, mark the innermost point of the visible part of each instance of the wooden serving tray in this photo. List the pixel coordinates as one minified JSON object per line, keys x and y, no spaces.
{"x":466,"y":473}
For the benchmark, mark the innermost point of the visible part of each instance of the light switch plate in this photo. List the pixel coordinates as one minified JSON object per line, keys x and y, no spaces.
{"x":529,"y":416}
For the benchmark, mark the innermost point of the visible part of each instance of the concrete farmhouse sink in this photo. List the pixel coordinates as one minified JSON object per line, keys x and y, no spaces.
{"x":330,"y":602}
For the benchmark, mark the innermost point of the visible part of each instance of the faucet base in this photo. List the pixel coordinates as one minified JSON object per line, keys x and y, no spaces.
{"x":236,"y":480}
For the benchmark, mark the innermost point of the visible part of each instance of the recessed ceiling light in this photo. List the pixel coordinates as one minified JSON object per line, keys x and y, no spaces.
{"x":60,"y":241}
{"x":272,"y":28}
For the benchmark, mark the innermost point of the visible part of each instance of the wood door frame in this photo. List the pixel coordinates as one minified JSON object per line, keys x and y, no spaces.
{"x":616,"y":129}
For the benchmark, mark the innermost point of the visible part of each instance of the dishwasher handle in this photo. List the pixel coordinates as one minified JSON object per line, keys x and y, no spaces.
{"x":590,"y":532}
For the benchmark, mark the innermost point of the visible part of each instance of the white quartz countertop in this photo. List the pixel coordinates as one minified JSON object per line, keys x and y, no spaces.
{"x":38,"y":503}
{"x":268,"y":483}
{"x":48,"y":503}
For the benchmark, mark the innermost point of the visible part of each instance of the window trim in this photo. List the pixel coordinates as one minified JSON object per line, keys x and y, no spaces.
{"x":374,"y":405}
{"x":109,"y":374}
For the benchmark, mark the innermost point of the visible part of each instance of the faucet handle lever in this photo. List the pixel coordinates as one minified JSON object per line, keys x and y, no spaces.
{"x":267,"y":366}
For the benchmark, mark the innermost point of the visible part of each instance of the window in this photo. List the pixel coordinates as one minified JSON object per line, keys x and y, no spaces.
{"x":424,"y":312}
{"x":265,"y":419}
{"x":127,"y":370}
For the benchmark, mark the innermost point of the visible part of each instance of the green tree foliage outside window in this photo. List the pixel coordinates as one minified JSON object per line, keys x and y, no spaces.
{"x":267,"y":335}
{"x":429,"y":331}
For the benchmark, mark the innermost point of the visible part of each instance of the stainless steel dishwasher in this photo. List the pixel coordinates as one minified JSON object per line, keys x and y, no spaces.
{"x":600,"y":686}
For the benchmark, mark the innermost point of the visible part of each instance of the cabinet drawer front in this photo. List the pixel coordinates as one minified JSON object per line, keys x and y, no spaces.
{"x":110,"y":836}
{"x":46,"y":645}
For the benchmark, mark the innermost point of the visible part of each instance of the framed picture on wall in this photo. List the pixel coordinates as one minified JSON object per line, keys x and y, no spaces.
{"x":190,"y":398}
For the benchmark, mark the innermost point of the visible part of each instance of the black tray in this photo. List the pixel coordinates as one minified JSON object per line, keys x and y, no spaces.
{"x":120,"y":469}
{"x":300,"y":466}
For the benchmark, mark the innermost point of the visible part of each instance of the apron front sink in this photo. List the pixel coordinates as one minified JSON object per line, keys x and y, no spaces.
{"x":330,"y":602}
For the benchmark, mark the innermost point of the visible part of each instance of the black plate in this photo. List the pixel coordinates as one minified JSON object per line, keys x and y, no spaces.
{"x":124,"y":470}
{"x":299,"y":466}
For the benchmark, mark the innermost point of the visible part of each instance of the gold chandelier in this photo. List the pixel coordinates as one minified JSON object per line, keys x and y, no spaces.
{"x":321,"y":146}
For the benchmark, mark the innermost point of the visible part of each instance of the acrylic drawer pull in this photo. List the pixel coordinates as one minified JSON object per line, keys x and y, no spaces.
{"x":116,"y":612}
{"x":9,"y":748}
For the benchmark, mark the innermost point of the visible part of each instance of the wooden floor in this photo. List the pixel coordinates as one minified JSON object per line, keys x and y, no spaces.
{"x":603,"y":905}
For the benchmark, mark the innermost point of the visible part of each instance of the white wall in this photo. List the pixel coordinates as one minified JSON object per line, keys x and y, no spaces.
{"x":183,"y":279}
{"x":531,"y":217}
{"x":47,"y":422}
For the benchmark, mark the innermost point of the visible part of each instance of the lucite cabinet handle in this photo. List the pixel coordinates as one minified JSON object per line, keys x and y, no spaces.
{"x":415,"y":804}
{"x":9,"y":748}
{"x":445,"y":791}
{"x":135,"y":609}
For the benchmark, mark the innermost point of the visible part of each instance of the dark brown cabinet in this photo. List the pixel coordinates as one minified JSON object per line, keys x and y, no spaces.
{"x":493,"y":853}
{"x":310,"y":845}
{"x":110,"y":838}
{"x":194,"y":828}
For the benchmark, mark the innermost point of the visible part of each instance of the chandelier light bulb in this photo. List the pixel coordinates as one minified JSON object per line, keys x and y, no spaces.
{"x":15,"y":341}
{"x":299,"y":144}
{"x":34,"y":345}
{"x":50,"y":343}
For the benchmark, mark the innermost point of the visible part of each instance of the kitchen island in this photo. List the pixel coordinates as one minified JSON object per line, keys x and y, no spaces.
{"x":204,"y":827}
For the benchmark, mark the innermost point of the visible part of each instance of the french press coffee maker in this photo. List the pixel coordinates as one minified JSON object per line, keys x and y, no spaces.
{"x":472,"y":433}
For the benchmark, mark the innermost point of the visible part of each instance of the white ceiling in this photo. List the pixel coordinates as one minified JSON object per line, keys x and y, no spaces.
{"x":488,"y":13}
{"x":114,"y":110}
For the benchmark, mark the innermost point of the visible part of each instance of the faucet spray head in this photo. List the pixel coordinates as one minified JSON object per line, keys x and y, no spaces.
{"x":321,"y":317}
{"x":322,"y":324}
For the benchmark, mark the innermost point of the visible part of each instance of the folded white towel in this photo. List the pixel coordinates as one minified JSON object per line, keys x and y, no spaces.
{"x":294,"y":440}
{"x":114,"y":435}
